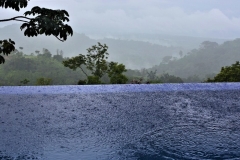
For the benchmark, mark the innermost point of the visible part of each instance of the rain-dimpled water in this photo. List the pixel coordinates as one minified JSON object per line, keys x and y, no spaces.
{"x":120,"y":122}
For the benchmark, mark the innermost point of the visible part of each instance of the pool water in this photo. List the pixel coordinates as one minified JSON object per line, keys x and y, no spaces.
{"x":135,"y":122}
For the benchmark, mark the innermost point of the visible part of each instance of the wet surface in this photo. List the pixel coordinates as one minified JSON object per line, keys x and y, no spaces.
{"x":184,"y":121}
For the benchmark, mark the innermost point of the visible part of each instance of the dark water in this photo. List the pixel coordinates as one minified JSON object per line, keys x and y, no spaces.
{"x":135,"y":122}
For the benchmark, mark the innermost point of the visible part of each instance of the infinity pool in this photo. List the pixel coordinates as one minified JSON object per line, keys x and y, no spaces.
{"x":132,"y":122}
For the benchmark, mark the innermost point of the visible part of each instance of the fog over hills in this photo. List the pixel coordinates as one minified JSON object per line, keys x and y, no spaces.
{"x":135,"y":51}
{"x":186,"y":42}
{"x":204,"y":62}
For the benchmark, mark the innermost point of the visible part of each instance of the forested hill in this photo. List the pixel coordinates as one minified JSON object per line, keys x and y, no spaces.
{"x":204,"y":61}
{"x":134,"y":54}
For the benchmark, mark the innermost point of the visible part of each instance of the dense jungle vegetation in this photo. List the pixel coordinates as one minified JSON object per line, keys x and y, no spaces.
{"x":200,"y":65}
{"x":43,"y":68}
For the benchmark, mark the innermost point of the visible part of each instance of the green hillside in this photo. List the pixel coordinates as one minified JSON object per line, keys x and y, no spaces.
{"x":134,"y":54}
{"x":19,"y":67}
{"x":203,"y":62}
{"x":195,"y":66}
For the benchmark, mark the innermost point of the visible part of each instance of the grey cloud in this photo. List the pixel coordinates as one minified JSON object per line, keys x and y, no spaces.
{"x":107,"y":17}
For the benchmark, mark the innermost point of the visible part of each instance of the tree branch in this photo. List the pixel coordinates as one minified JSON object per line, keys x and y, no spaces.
{"x":59,"y":39}
{"x":19,"y":20}
{"x":83,"y":71}
{"x":15,"y":19}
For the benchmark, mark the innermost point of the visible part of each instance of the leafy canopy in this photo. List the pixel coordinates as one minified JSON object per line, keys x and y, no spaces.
{"x":6,"y":47}
{"x":37,"y":21}
{"x":16,"y":5}
{"x":228,"y":74}
{"x":96,"y":62}
{"x":115,"y":73}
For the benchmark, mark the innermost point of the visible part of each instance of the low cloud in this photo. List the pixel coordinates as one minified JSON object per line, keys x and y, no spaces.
{"x":106,"y":17}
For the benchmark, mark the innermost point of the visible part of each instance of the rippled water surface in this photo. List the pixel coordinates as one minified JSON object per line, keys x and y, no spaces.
{"x":135,"y":122}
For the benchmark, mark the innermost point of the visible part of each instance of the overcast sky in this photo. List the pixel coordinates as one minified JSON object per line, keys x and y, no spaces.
{"x":200,"y":18}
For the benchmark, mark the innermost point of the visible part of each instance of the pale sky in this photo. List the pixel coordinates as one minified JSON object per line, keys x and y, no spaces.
{"x":200,"y":18}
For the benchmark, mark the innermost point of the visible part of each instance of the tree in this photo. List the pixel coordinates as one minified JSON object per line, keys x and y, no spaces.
{"x":25,"y":81}
{"x":76,"y":62}
{"x":58,"y":57}
{"x":228,"y":74}
{"x":166,"y":59}
{"x":37,"y":52}
{"x":166,"y":78}
{"x":115,"y":73}
{"x":6,"y":47}
{"x":20,"y":63}
{"x":44,"y":81}
{"x":36,"y":22}
{"x":93,"y":80}
{"x":94,"y":61}
{"x":208,"y":45}
{"x":152,"y":75}
{"x":82,"y":82}
{"x":46,"y":53}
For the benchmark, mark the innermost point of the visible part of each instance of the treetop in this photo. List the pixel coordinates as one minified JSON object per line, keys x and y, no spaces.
{"x":16,"y":5}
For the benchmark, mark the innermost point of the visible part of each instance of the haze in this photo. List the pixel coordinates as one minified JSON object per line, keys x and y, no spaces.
{"x":108,"y":18}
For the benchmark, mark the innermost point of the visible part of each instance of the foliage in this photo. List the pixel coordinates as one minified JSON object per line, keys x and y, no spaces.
{"x":96,"y":59}
{"x":157,"y":81}
{"x":48,"y":22}
{"x":82,"y":82}
{"x":37,"y":21}
{"x":76,"y":62}
{"x":19,"y":62}
{"x":25,"y":81}
{"x":32,"y":67}
{"x":6,"y":47}
{"x":115,"y":73}
{"x":166,"y":78}
{"x":95,"y":62}
{"x":202,"y":62}
{"x":16,"y":5}
{"x":93,"y":80}
{"x":44,"y":81}
{"x":118,"y":79}
{"x":46,"y":53}
{"x":58,"y":56}
{"x":208,"y":45}
{"x":228,"y":74}
{"x":152,"y":75}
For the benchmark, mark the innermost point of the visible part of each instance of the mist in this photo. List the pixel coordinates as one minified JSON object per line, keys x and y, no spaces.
{"x":106,"y":18}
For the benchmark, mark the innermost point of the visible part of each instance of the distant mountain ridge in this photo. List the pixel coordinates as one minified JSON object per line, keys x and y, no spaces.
{"x":203,"y":62}
{"x":186,"y":42}
{"x":135,"y":54}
